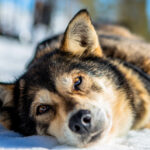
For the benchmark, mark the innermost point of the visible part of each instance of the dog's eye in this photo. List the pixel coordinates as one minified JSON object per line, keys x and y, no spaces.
{"x":42,"y":109}
{"x":77,"y":82}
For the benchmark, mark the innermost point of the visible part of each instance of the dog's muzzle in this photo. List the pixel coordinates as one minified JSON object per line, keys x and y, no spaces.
{"x":86,"y":126}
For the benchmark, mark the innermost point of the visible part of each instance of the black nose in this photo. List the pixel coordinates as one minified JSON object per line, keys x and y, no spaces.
{"x":80,"y":122}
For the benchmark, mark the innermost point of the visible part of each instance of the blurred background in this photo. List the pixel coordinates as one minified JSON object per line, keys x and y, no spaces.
{"x":24,"y":23}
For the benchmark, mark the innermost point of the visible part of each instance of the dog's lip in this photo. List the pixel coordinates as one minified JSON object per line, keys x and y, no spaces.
{"x":95,"y":137}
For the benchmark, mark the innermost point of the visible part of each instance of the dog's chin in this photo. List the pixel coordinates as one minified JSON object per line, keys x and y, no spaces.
{"x":89,"y":140}
{"x":93,"y":138}
{"x":83,"y":141}
{"x":96,"y":135}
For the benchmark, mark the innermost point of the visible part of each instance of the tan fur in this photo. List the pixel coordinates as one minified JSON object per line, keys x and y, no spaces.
{"x":147,"y":126}
{"x":115,"y":30}
{"x":6,"y":94}
{"x":142,"y":97}
{"x":120,"y":43}
{"x":122,"y":117}
{"x":5,"y":120}
{"x":121,"y":112}
{"x":6,"y":97}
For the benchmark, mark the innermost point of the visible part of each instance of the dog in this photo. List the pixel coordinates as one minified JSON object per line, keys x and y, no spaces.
{"x":78,"y":91}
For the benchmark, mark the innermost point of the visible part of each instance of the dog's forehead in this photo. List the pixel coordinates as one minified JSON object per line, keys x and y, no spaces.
{"x":54,"y":64}
{"x":47,"y":69}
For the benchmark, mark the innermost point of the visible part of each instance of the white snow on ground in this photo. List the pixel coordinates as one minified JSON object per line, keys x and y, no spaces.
{"x":13,"y":58}
{"x":135,"y":140}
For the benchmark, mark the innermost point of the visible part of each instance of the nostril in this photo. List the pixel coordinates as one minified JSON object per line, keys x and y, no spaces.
{"x":86,"y":119}
{"x":77,"y":128}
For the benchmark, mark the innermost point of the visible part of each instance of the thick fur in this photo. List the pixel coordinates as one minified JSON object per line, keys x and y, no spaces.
{"x":115,"y":84}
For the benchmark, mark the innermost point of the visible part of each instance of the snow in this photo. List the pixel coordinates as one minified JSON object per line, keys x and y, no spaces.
{"x":135,"y":140}
{"x":14,"y":57}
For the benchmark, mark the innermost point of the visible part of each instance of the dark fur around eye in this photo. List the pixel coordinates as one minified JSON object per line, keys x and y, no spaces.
{"x":1,"y":104}
{"x":77,"y":83}
{"x":41,"y":109}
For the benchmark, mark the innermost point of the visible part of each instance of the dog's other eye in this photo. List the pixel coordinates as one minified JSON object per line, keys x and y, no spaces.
{"x":42,"y":109}
{"x":77,"y":82}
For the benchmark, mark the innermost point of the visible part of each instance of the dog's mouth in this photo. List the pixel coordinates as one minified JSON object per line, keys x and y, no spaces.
{"x":95,"y":137}
{"x":91,"y":138}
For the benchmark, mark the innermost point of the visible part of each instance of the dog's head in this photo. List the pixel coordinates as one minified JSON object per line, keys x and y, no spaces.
{"x":69,"y":93}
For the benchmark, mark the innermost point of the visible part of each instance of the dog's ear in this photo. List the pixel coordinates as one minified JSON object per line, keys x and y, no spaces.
{"x":6,"y":94}
{"x":80,"y":36}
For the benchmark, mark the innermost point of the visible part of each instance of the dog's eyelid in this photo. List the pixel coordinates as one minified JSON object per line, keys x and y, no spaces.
{"x":77,"y":82}
{"x":43,"y":108}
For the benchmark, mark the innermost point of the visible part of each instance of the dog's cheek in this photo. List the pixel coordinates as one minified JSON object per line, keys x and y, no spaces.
{"x":60,"y":130}
{"x":56,"y":125}
{"x":5,"y":120}
{"x":42,"y":128}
